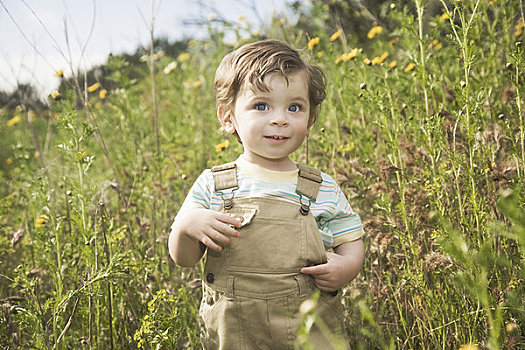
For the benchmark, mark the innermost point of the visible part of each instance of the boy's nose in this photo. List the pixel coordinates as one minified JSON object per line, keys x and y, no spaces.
{"x":279,"y":119}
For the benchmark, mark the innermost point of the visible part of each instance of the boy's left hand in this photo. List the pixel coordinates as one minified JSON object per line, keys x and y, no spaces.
{"x":341,"y":267}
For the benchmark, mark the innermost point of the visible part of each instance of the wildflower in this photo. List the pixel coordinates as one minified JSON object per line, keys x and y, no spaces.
{"x":469,"y":346}
{"x":183,"y":57}
{"x":102,"y":94}
{"x":347,"y":56}
{"x":443,"y":17}
{"x":336,"y":35}
{"x":221,"y":146}
{"x":13,"y":121}
{"x":212,"y":17}
{"x":409,"y":67}
{"x":374,"y":31}
{"x":492,"y":2}
{"x":55,"y":95}
{"x":94,"y":87}
{"x":197,"y":84}
{"x":320,"y":54}
{"x":380,"y":59}
{"x":159,"y":55}
{"x":42,"y":220}
{"x":392,"y":64}
{"x":367,"y":61}
{"x":170,"y":67}
{"x":9,"y":161}
{"x":143,"y":58}
{"x":59,"y":73}
{"x":37,"y":154}
{"x":313,"y":42}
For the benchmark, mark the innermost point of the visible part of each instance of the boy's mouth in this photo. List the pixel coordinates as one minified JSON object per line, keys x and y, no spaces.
{"x":275,"y":137}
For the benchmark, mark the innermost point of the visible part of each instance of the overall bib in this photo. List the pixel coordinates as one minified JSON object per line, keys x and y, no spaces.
{"x":253,"y":288}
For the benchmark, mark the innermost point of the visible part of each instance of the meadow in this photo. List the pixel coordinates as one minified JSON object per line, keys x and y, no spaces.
{"x":423,"y":128}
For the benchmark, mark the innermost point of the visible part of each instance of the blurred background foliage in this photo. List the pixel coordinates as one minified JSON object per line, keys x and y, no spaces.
{"x":423,"y":128}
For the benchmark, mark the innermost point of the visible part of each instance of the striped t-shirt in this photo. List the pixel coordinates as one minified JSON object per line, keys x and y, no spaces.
{"x":336,"y":220}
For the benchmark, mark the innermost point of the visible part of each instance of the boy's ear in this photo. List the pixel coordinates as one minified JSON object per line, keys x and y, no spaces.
{"x":225,"y":118}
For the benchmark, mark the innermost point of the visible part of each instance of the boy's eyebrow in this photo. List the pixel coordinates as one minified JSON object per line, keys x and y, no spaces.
{"x":263,"y":96}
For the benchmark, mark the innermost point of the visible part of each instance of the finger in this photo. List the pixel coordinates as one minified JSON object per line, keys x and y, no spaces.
{"x":225,"y":229}
{"x":229,"y":219}
{"x":208,"y":242}
{"x":217,"y":236}
{"x":323,"y":285}
{"x":315,"y":270}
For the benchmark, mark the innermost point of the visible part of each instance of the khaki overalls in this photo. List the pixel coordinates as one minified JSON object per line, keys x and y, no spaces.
{"x":253,"y":288}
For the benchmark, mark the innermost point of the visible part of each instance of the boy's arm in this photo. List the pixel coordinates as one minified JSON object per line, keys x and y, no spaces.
{"x":341,"y":268}
{"x":195,"y":229}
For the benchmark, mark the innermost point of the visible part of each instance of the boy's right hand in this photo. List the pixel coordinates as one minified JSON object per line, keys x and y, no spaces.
{"x":209,"y":227}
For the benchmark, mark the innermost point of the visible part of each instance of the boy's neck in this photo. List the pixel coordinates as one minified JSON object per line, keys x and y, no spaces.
{"x":285,"y":164}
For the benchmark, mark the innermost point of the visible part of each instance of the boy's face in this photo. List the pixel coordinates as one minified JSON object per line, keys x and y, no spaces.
{"x":273,"y":124}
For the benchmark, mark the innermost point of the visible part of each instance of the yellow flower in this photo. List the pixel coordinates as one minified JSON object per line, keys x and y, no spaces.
{"x":443,"y":17}
{"x":159,"y":55}
{"x":197,"y":84}
{"x":374,"y":31}
{"x":221,"y":146}
{"x":55,"y":95}
{"x":320,"y":54}
{"x":409,"y":67}
{"x":59,"y":73}
{"x":347,"y":56}
{"x":469,"y":346}
{"x":367,"y":61}
{"x":313,"y":42}
{"x":9,"y":161}
{"x":336,"y":35}
{"x":102,"y":94}
{"x":37,"y":154}
{"x":42,"y":220}
{"x":380,"y":59}
{"x":392,"y":64}
{"x":183,"y":57}
{"x":492,"y":2}
{"x":94,"y":87}
{"x":14,"y":120}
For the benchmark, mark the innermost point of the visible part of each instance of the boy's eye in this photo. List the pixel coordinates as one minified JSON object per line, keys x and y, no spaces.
{"x":261,"y":106}
{"x":294,"y":108}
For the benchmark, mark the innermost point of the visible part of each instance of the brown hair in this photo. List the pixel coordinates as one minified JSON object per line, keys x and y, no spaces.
{"x":248,"y":66}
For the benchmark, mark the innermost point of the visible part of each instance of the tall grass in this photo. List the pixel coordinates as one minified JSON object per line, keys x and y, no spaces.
{"x":427,"y":142}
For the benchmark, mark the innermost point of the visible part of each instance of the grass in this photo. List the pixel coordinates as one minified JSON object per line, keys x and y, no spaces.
{"x":429,"y":150}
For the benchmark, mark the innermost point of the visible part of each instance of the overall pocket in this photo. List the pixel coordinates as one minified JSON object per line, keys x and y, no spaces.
{"x":267,"y":246}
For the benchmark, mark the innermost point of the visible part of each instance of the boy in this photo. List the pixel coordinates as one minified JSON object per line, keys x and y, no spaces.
{"x":263,"y":219}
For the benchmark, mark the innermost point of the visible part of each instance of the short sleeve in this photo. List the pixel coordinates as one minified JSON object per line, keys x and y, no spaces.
{"x":342,"y":224}
{"x":199,"y":196}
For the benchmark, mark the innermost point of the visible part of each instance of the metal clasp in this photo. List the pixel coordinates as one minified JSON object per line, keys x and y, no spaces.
{"x":227,"y":201}
{"x":305,"y":207}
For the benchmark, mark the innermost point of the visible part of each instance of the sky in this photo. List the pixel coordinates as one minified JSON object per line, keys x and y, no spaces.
{"x":41,"y":37}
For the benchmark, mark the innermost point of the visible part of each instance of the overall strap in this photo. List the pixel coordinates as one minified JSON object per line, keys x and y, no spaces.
{"x":225,"y":177}
{"x":308,"y":182}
